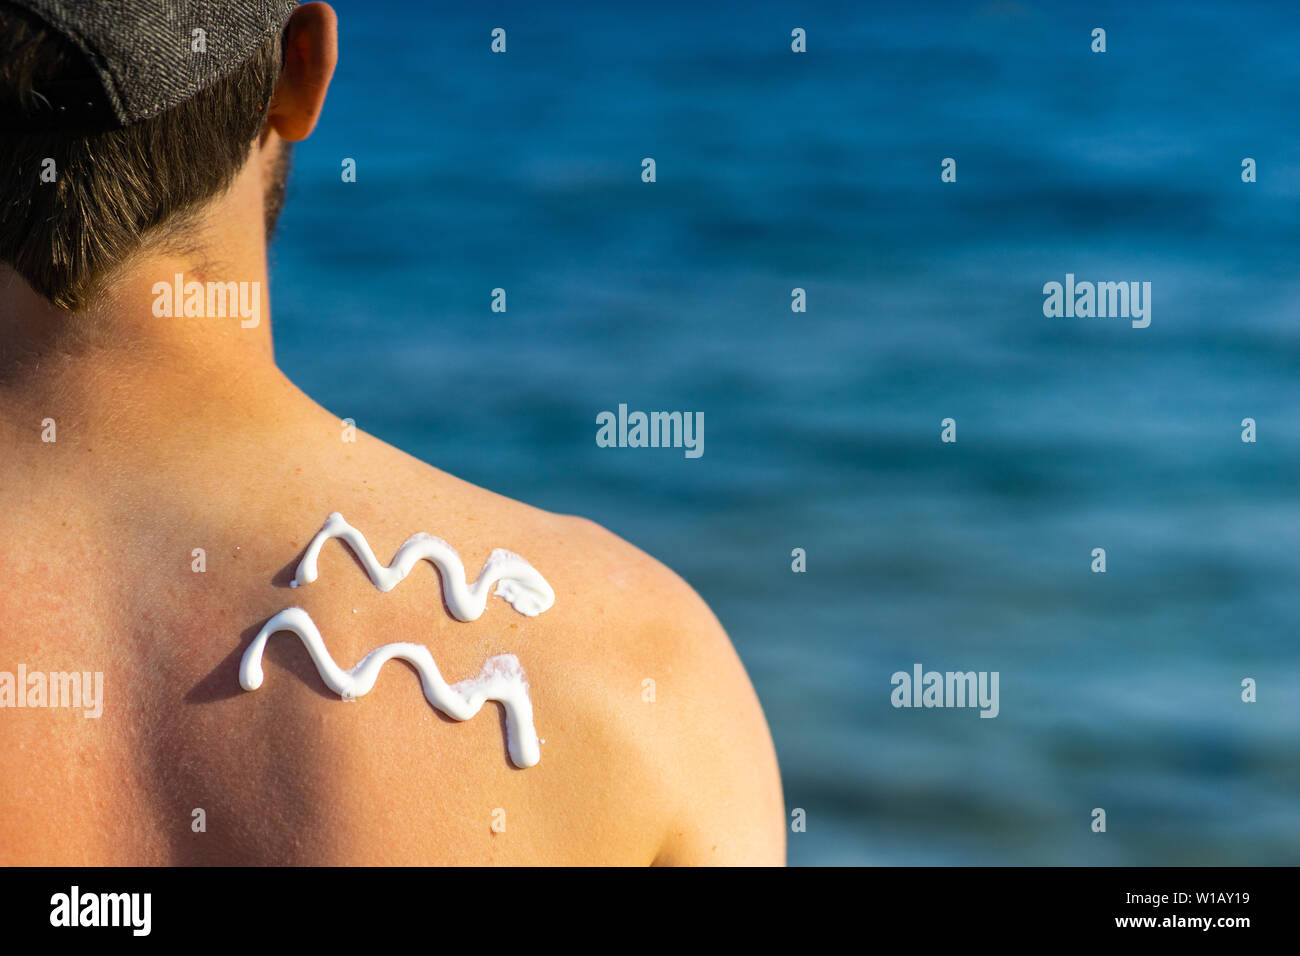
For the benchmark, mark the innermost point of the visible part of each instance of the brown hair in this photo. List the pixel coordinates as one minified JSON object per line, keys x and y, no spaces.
{"x":114,"y":189}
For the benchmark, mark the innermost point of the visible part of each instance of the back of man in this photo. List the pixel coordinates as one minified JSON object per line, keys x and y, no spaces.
{"x":157,"y":569}
{"x":161,"y":481}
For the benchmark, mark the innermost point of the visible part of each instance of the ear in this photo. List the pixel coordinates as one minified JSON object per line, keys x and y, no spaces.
{"x":311,"y":50}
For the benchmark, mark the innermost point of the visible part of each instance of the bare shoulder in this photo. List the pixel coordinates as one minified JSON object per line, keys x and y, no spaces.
{"x":653,"y":745}
{"x":669,"y":684}
{"x":717,"y":765}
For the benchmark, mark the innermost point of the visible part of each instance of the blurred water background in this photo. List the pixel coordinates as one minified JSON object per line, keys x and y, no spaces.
{"x":821,"y":171}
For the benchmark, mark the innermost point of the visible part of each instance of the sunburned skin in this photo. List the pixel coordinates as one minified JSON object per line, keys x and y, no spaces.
{"x":517,"y":581}
{"x":501,"y":679}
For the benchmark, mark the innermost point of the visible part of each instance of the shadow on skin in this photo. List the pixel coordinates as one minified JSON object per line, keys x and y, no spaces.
{"x":222,"y":682}
{"x":287,"y":655}
{"x":284,"y":577}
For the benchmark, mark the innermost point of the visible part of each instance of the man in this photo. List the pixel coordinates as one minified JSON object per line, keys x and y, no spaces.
{"x":160,"y":479}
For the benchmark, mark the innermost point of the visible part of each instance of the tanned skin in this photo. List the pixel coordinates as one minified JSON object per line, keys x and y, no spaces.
{"x":175,"y":434}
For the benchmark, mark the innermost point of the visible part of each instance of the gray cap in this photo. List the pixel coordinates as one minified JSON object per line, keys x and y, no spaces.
{"x":148,"y":54}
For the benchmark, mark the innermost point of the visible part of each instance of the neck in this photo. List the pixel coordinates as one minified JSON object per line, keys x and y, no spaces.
{"x":141,"y":358}
{"x":119,"y":354}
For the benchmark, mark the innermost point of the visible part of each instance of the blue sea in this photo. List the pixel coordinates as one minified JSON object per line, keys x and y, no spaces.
{"x":821,"y":171}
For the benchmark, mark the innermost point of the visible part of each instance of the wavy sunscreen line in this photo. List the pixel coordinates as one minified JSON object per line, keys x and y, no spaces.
{"x":517,"y":581}
{"x":501,"y":679}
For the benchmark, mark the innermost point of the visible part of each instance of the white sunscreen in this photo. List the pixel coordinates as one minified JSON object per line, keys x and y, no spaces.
{"x":501,"y":679}
{"x":517,"y":581}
